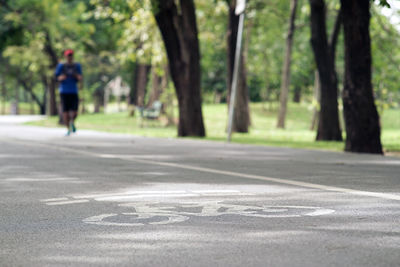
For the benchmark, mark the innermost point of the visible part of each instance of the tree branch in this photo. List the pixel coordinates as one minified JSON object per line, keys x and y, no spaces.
{"x":48,"y":48}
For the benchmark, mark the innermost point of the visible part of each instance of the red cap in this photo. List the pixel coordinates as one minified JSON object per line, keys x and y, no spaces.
{"x":68,"y":52}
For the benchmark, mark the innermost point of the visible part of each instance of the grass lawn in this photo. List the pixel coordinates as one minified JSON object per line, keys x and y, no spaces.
{"x":262,"y":132}
{"x":24,"y":108}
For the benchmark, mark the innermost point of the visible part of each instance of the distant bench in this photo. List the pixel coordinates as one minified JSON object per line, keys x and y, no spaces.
{"x":151,"y":113}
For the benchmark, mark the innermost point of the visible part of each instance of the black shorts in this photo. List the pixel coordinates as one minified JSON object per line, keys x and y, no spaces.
{"x":69,"y":102}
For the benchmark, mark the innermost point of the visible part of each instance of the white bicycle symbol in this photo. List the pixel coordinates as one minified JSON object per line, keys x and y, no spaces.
{"x":159,"y":213}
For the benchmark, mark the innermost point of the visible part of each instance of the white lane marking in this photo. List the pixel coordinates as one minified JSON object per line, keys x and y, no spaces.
{"x":135,"y":195}
{"x":39,"y":179}
{"x":215,"y":171}
{"x":130,"y":193}
{"x":159,"y":192}
{"x":168,"y":195}
{"x":269,"y":179}
{"x":215,"y":191}
{"x":54,"y":199}
{"x":67,"y":202}
{"x":320,"y":212}
{"x":127,"y":198}
{"x":152,"y":173}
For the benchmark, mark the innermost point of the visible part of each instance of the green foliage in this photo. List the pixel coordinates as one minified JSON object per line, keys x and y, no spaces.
{"x":32,"y":26}
{"x":212,"y":21}
{"x":112,"y":36}
{"x":386,"y":61}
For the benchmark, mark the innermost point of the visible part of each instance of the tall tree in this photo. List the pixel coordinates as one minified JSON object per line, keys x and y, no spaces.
{"x":286,"y":66}
{"x":241,"y":117}
{"x":53,"y":59}
{"x":324,"y":54}
{"x":361,"y":117}
{"x":179,"y":31}
{"x":140,"y":83}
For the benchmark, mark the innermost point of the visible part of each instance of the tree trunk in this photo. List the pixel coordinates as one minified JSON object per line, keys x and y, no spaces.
{"x":106,"y":99}
{"x":328,"y":123}
{"x":241,"y":117}
{"x":25,"y":97}
{"x":53,"y":111}
{"x":286,"y":66}
{"x":26,"y":87}
{"x":297,"y":94}
{"x":316,"y":101}
{"x":141,"y":79}
{"x":3,"y":96}
{"x":179,"y":32}
{"x":15,"y":104}
{"x":44,"y":98}
{"x":158,"y":85}
{"x":98,"y":96}
{"x":361,"y":117}
{"x":31,"y":105}
{"x":53,"y":83}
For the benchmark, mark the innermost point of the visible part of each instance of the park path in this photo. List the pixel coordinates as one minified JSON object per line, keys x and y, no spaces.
{"x":99,"y":199}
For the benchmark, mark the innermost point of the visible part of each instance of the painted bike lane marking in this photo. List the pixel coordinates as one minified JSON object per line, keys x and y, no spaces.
{"x":168,"y":213}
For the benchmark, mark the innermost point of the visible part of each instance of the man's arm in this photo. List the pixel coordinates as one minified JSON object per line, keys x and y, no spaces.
{"x":58,"y":73}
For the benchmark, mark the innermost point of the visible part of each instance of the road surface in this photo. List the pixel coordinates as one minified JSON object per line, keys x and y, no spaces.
{"x":98,"y":199}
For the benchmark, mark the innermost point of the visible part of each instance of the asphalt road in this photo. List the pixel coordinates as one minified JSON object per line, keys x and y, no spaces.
{"x":97,"y":199}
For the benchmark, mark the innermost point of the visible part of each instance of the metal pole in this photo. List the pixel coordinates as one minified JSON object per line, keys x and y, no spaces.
{"x":235,"y":76}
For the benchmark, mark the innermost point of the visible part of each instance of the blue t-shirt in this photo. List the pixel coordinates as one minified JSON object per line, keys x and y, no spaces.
{"x":69,"y":85}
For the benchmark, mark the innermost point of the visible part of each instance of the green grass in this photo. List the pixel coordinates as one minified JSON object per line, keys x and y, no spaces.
{"x":262,"y":132}
{"x":24,"y":108}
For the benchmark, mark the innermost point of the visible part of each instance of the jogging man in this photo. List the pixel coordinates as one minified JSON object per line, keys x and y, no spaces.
{"x":69,"y":74}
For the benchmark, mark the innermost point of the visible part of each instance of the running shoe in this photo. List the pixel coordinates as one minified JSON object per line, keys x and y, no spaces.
{"x":72,"y":127}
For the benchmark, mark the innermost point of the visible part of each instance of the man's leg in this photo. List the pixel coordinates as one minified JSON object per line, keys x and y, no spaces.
{"x":65,"y":111}
{"x":73,"y":116}
{"x":74,"y":111}
{"x":66,"y":119}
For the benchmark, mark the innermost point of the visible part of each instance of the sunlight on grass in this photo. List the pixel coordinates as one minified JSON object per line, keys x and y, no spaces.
{"x":262,"y":132}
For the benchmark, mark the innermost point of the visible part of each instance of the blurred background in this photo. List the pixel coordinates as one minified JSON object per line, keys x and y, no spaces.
{"x":127,"y":71}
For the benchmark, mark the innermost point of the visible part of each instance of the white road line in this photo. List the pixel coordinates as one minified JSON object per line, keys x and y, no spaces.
{"x":133,"y":195}
{"x":227,"y":194}
{"x":67,"y":202}
{"x":128,"y":193}
{"x":215,"y":171}
{"x":54,"y":199}
{"x":215,"y":191}
{"x":270,"y":179}
{"x":39,"y":179}
{"x":161,"y":195}
{"x":127,"y":198}
{"x":320,"y":212}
